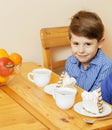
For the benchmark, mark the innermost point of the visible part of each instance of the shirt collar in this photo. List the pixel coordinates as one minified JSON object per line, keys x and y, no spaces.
{"x":97,"y":59}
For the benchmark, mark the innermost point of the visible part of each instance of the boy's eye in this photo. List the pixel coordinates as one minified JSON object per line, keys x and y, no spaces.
{"x":88,"y":44}
{"x":75,"y":43}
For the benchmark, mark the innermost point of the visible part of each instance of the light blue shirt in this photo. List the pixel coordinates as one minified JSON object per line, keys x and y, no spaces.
{"x":93,"y":75}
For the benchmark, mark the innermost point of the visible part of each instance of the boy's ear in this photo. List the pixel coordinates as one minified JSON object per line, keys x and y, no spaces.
{"x":101,"y":42}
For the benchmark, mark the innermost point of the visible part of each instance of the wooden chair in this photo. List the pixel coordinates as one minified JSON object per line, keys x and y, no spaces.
{"x":53,"y":37}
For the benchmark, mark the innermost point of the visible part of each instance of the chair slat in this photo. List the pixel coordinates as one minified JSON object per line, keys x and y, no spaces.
{"x":53,"y":37}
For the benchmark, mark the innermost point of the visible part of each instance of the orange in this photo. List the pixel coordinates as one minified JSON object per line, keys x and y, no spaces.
{"x":3,"y":79}
{"x":16,"y":58}
{"x":3,"y":53}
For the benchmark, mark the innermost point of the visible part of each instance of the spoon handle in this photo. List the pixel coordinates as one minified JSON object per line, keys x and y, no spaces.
{"x":104,"y":118}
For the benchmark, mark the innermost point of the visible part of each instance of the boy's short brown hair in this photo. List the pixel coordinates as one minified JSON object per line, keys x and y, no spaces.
{"x":87,"y":24}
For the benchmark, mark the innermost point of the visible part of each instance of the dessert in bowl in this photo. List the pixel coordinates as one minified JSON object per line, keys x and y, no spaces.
{"x":66,"y":81}
{"x":65,"y":92}
{"x":65,"y":97}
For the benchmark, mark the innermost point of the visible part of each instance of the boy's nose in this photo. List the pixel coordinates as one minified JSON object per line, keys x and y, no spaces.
{"x":81,"y":49}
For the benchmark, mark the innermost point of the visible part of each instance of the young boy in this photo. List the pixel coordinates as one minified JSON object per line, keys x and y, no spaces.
{"x":106,"y":88}
{"x":88,"y":64}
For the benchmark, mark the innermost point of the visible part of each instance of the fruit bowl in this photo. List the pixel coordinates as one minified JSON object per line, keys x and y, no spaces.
{"x":4,"y":80}
{"x":9,"y":66}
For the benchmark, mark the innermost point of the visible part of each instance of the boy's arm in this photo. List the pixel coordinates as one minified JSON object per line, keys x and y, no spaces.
{"x":102,"y":75}
{"x":106,"y":88}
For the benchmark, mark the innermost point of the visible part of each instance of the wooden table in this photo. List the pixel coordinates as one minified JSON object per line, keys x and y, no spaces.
{"x":41,"y":106}
{"x":15,"y":117}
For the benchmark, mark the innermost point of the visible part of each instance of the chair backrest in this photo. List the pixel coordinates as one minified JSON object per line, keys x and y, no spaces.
{"x":53,"y":37}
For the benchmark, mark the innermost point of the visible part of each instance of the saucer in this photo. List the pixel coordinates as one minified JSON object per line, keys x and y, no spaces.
{"x":79,"y":109}
{"x":49,"y":89}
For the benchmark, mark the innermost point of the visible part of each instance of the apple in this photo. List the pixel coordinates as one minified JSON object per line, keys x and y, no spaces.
{"x":6,"y":66}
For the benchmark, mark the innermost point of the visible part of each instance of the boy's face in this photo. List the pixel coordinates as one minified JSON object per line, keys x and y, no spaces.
{"x":84,"y":49}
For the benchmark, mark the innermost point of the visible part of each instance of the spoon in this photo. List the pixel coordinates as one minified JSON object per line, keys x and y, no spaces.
{"x":92,"y":121}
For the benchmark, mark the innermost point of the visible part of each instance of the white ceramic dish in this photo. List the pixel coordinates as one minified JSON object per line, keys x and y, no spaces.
{"x":49,"y":89}
{"x":79,"y":109}
{"x":65,"y":97}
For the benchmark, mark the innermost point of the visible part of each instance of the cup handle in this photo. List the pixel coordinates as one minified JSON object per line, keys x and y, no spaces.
{"x":29,"y":76}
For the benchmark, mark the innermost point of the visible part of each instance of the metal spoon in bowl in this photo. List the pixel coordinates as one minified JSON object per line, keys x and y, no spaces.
{"x":92,"y":121}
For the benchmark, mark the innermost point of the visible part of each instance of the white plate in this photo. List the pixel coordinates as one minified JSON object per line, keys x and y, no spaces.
{"x":49,"y":89}
{"x":79,"y":109}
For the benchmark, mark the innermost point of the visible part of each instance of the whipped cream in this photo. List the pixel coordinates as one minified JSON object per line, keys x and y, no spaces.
{"x":92,"y":101}
{"x":68,"y":81}
{"x":90,"y":95}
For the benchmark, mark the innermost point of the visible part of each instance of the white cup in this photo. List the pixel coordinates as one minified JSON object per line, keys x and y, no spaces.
{"x":65,"y":97}
{"x":40,"y":76}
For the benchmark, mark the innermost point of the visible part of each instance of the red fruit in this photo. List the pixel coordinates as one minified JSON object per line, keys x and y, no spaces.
{"x":6,"y":66}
